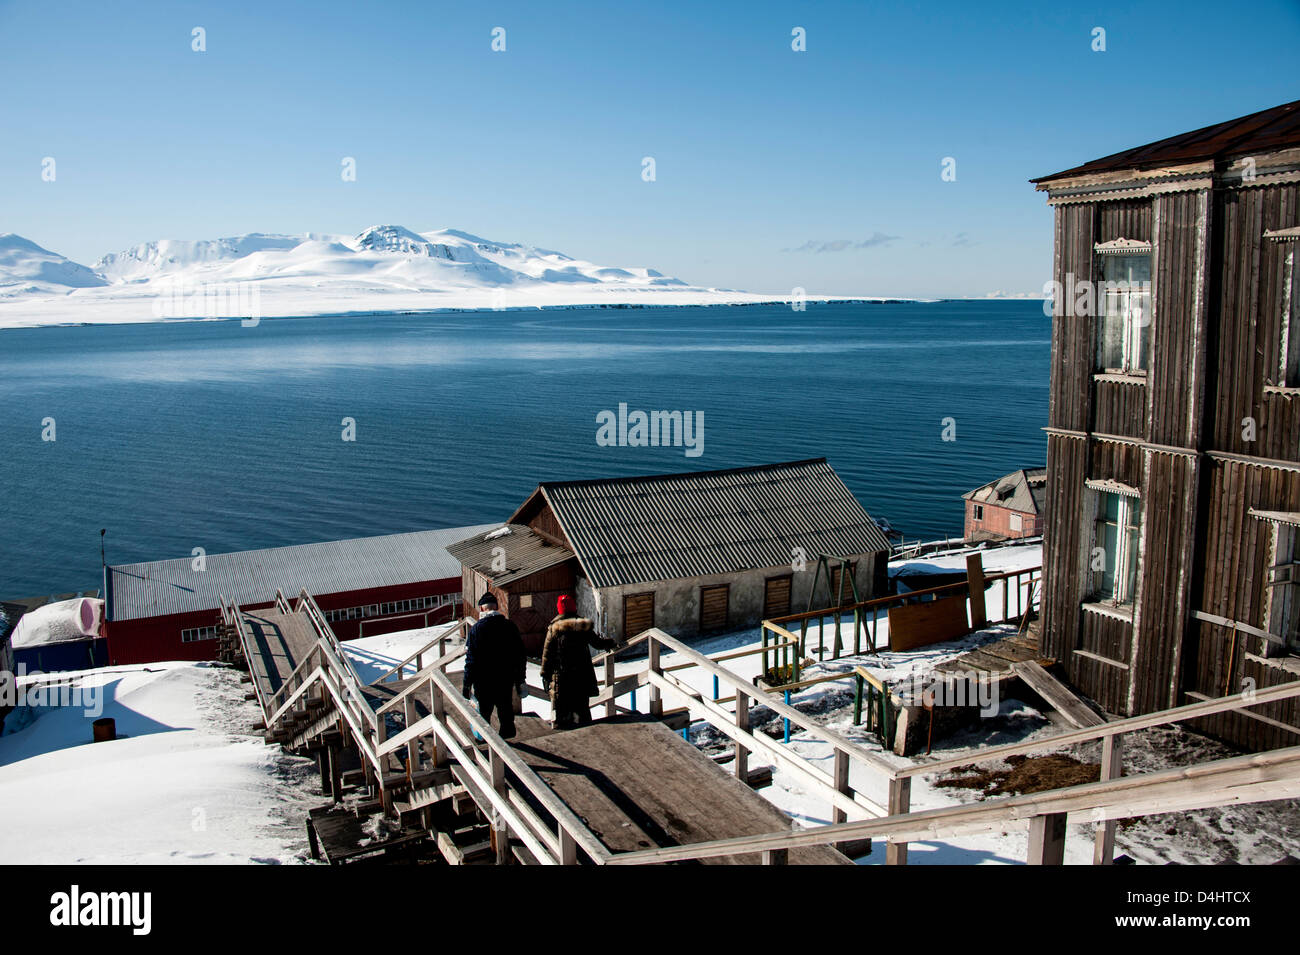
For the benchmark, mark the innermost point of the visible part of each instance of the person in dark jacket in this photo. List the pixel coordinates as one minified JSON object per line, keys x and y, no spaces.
{"x":567,"y":670}
{"x":494,"y":664}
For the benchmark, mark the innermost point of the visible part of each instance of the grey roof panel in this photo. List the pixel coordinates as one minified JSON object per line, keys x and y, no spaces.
{"x":1024,"y":490}
{"x":523,"y":552}
{"x":163,"y":587}
{"x":673,"y":526}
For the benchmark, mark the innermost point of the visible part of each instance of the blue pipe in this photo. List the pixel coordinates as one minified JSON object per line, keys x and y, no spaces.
{"x":787,"y":719}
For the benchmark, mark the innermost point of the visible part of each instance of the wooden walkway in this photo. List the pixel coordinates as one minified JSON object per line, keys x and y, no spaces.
{"x":280,"y":642}
{"x":638,"y":785}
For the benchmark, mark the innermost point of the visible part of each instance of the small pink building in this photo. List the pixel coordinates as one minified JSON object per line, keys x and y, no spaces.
{"x":1010,"y":507}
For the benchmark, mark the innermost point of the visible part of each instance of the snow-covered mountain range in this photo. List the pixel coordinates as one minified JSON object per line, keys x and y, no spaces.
{"x":385,"y":268}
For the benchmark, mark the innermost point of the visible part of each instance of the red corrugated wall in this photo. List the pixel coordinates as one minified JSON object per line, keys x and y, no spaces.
{"x":155,"y":639}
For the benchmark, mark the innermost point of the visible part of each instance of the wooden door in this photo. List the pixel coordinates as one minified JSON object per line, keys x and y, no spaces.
{"x":638,"y":614}
{"x":848,"y":584}
{"x":713,"y":607}
{"x":776,"y":596}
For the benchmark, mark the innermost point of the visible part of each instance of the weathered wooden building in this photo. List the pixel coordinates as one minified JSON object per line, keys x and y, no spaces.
{"x":1173,"y":509}
{"x":693,"y":553}
{"x":1008,"y":508}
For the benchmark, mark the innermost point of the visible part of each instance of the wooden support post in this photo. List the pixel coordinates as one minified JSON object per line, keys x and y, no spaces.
{"x":776,"y":857}
{"x":975,"y":584}
{"x":500,"y":833}
{"x":742,"y":722}
{"x":900,"y":801}
{"x":610,"y":708}
{"x":336,"y":772}
{"x":413,"y":746}
{"x":656,"y":694}
{"x":1047,"y":839}
{"x":1112,"y":767}
{"x":568,"y":848}
{"x":841,"y":774}
{"x":439,"y":710}
{"x":323,"y":765}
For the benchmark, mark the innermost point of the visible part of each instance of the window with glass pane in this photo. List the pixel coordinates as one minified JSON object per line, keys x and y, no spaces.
{"x":1115,"y":534}
{"x":1124,"y":329}
{"x":1284,"y":582}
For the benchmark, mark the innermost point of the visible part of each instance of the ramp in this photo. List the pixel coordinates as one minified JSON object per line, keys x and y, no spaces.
{"x":1059,"y":696}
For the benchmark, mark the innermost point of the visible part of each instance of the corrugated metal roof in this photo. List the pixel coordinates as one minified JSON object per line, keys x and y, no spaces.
{"x":252,"y":576}
{"x":673,"y":526}
{"x":1024,"y":490}
{"x":1269,"y":129}
{"x":522,"y":551}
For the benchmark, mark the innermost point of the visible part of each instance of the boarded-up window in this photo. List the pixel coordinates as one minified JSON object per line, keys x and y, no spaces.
{"x":713,"y":607}
{"x":776,"y":597}
{"x":638,"y":614}
{"x":1017,"y":523}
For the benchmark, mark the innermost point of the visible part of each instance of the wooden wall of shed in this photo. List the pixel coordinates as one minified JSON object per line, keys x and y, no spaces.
{"x":1113,"y":461}
{"x":1165,"y":566}
{"x":1121,"y":408}
{"x":1126,"y":219}
{"x":1107,"y":683}
{"x":1245,"y":322}
{"x":546,"y":524}
{"x":1180,"y":271}
{"x":1070,"y":392}
{"x":1067,"y":468}
{"x":1230,"y":583}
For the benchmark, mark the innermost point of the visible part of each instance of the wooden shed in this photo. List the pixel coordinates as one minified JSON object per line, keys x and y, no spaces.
{"x":693,"y":553}
{"x":1173,"y":464}
{"x":524,"y":570}
{"x":1009,"y":508}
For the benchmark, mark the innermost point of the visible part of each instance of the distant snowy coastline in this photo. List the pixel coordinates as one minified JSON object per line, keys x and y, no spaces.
{"x":383,"y":270}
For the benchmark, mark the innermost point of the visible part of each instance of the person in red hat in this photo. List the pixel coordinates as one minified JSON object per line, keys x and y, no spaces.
{"x":567,"y":670}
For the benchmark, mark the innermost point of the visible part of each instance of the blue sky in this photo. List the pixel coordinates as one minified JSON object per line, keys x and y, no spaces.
{"x":767,"y":160}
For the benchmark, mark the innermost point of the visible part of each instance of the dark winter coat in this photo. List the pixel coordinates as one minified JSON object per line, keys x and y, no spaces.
{"x":567,"y":670}
{"x":494,"y":656}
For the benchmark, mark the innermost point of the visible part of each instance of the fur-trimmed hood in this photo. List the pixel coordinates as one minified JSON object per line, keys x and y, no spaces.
{"x":565,"y":624}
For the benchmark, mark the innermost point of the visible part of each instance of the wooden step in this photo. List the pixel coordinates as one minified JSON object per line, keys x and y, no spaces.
{"x":429,"y":796}
{"x":1058,"y":696}
{"x":466,"y":846}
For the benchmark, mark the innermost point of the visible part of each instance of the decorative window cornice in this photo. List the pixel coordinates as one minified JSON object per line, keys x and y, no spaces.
{"x":1122,"y":247}
{"x":1276,"y":517}
{"x":1284,"y":235}
{"x":1112,"y":487}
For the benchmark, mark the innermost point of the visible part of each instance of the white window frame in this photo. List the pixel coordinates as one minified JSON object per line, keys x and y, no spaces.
{"x":1115,"y":302}
{"x":1288,"y":370}
{"x":1128,"y":565}
{"x":1282,"y":587}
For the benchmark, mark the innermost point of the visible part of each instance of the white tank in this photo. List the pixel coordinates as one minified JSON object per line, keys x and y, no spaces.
{"x":61,"y":622}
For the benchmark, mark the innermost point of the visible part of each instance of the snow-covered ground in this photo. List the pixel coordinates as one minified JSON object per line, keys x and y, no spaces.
{"x":383,"y":269}
{"x":185,"y":781}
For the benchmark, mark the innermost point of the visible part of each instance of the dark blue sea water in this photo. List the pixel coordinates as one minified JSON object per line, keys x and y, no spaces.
{"x":213,"y":435}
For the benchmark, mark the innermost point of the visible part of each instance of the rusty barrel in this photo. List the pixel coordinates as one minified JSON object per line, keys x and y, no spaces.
{"x":105,"y":729}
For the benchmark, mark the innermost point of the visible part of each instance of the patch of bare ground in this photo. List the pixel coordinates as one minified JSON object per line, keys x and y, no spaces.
{"x":1027,"y":774}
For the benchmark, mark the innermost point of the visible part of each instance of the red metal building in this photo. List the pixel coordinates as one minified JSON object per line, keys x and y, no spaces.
{"x":168,"y":609}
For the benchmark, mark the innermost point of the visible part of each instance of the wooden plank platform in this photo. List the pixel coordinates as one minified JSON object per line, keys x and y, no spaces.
{"x":995,"y":658}
{"x":1057,"y":694}
{"x":338,"y":835}
{"x":280,"y":642}
{"x":638,"y":785}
